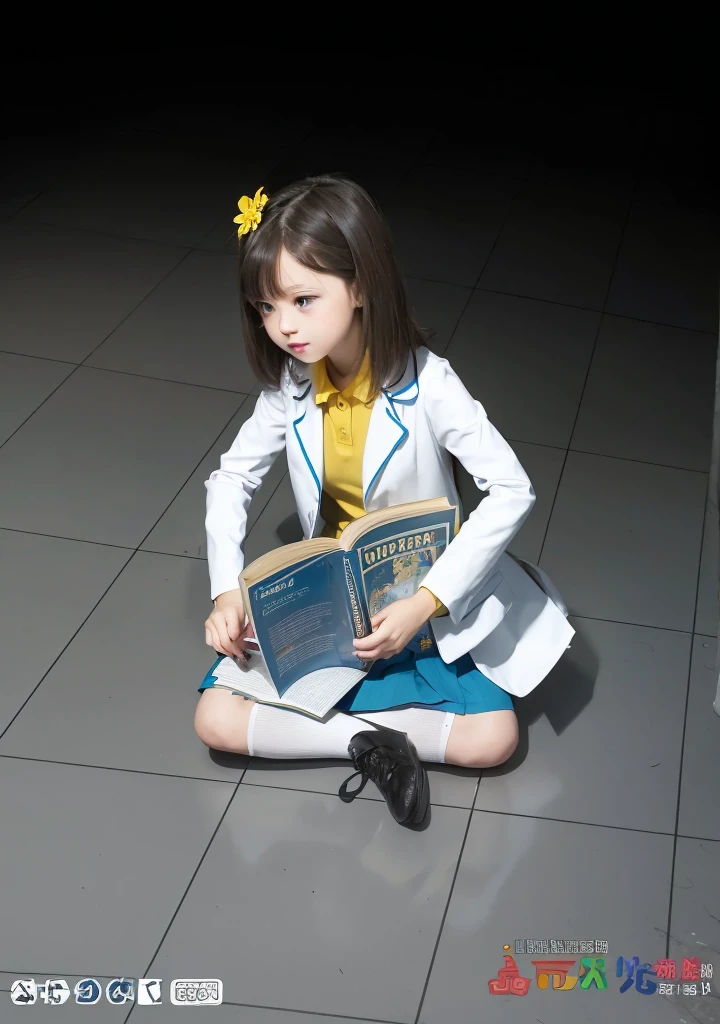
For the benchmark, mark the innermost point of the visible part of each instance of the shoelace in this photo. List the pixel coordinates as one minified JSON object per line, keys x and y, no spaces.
{"x":373,"y":765}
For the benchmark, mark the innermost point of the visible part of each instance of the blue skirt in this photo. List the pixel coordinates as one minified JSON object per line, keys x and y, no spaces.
{"x":418,"y":677}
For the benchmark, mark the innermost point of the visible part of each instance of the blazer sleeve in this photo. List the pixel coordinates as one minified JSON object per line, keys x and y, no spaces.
{"x":460,"y":424}
{"x":230,"y":489}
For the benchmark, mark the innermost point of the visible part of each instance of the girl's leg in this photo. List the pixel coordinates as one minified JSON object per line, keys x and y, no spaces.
{"x":482,"y":740}
{"x":221,"y":720}
{"x":225,"y":721}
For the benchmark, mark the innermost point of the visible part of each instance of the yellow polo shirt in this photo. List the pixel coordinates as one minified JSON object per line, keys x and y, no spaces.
{"x":346,"y":417}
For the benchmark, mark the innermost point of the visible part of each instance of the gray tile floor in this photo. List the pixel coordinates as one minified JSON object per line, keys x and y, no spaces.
{"x":580,"y":305}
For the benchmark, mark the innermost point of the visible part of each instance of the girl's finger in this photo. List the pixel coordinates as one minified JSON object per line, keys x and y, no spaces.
{"x":230,"y":646}
{"x":370,"y":655}
{"x":222,"y":644}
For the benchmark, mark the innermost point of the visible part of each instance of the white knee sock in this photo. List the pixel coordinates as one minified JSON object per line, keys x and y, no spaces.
{"x":429,"y":730}
{"x":280,"y":733}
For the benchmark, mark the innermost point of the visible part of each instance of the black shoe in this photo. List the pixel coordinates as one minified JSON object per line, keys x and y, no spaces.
{"x":390,"y":759}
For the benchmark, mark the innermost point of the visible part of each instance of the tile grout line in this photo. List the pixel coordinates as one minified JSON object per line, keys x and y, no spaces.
{"x":113,"y":139}
{"x":570,"y":821}
{"x":622,"y":458}
{"x":187,"y":889}
{"x":37,"y":407}
{"x":195,"y":468}
{"x":78,"y":365}
{"x":313,"y":1013}
{"x":65,"y":647}
{"x":132,"y":771}
{"x":622,"y":622}
{"x":62,"y":225}
{"x":134,"y":552}
{"x":199,"y":558}
{"x":113,"y":581}
{"x":317,"y":792}
{"x":444,"y":917}
{"x":225,"y":782}
{"x":682,"y":746}
{"x":188,"y":252}
{"x":585,"y":309}
{"x":589,"y":368}
{"x":471,"y":292}
{"x":137,"y":307}
{"x":477,"y":789}
{"x":116,"y":577}
{"x":521,"y":183}
{"x":702,"y":544}
{"x":250,"y":394}
{"x":124,"y":373}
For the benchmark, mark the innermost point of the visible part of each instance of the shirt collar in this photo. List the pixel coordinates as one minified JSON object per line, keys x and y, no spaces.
{"x":358,"y":388}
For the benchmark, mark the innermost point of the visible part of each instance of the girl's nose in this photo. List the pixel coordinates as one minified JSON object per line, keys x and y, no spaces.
{"x":286,"y":324}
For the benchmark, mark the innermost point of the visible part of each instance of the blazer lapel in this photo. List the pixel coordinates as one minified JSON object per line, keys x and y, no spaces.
{"x":386,"y":431}
{"x":308,"y":426}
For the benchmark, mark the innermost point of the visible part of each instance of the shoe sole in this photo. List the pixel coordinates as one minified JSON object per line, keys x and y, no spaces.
{"x":423,"y":799}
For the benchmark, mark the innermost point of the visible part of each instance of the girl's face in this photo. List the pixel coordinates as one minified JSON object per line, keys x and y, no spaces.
{"x":315,"y":316}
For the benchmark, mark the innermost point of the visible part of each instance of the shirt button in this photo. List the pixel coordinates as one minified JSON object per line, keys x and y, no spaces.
{"x":343,"y":432}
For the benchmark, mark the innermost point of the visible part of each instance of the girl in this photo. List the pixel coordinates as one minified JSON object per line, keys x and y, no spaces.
{"x":370,"y":417}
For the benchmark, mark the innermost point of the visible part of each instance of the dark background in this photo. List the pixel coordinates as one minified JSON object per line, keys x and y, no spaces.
{"x":659,"y":120}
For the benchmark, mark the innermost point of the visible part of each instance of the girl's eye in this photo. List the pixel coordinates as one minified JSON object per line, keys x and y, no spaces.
{"x":265,"y":308}
{"x":305,"y":299}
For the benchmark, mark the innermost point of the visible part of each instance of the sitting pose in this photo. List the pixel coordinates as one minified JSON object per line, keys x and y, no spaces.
{"x":369,"y":418}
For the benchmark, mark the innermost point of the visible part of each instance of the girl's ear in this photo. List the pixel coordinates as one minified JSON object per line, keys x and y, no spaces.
{"x":356,"y":296}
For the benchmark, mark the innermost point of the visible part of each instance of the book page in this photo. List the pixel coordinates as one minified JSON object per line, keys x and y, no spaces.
{"x":319,"y":691}
{"x":316,"y":693}
{"x":384,"y":517}
{"x":290,"y":556}
{"x":253,"y":680}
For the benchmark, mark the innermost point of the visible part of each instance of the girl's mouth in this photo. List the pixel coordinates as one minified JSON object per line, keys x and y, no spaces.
{"x":299,"y":347}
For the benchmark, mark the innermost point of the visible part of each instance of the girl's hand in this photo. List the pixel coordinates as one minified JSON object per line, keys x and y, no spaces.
{"x":225,"y":627}
{"x":395,"y":625}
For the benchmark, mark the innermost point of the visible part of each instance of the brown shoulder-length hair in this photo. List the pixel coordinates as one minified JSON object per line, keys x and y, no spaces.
{"x":331,"y":225}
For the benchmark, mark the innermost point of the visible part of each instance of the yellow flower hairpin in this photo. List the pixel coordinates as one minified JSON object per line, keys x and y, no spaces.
{"x":250,"y":212}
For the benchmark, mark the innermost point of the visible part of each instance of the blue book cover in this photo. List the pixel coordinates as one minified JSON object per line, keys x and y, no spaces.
{"x":307,"y":613}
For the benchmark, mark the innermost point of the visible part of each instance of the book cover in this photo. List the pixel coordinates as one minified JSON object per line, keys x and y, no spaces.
{"x":305,"y":614}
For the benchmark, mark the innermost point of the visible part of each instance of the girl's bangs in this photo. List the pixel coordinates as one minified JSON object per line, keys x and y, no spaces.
{"x":260,"y":268}
{"x":260,"y":273}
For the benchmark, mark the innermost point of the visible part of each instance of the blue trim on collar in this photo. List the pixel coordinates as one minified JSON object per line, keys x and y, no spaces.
{"x":399,"y":441}
{"x":305,"y":455}
{"x":299,"y":398}
{"x":394,"y":394}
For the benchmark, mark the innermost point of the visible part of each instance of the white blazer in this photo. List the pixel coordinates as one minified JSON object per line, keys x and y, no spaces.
{"x":514,"y":628}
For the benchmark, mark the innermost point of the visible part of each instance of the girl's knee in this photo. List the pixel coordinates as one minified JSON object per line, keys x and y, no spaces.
{"x":499,"y":749}
{"x":482,"y":740}
{"x":208,"y":727}
{"x":221,"y":720}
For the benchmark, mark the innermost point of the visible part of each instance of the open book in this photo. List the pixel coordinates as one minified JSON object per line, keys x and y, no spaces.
{"x":308,"y":601}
